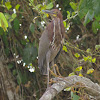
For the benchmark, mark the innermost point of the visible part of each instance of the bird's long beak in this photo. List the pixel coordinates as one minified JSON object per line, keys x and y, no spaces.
{"x":48,"y":11}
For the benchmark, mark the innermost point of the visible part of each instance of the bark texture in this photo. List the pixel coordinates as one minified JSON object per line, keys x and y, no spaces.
{"x":7,"y":85}
{"x":91,"y":88}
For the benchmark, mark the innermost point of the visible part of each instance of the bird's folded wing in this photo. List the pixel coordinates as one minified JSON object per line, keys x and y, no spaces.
{"x":44,"y":45}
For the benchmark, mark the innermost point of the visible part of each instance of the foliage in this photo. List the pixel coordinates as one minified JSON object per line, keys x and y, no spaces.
{"x":90,"y":9}
{"x":3,"y":21}
{"x":21,"y":28}
{"x":74,"y":96}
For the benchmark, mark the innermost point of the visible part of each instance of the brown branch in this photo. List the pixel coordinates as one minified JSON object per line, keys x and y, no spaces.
{"x":83,"y":37}
{"x":62,"y":83}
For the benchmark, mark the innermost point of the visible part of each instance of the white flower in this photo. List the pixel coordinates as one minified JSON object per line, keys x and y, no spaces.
{"x":32,"y":69}
{"x":14,"y":10}
{"x":42,"y":23}
{"x":77,"y":37}
{"x":25,"y":37}
{"x":57,"y":5}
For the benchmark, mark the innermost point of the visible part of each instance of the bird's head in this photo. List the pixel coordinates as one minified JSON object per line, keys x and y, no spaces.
{"x":54,"y":13}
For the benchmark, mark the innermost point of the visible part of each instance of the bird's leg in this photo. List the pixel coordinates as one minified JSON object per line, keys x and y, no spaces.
{"x":47,"y":74}
{"x":54,"y":67}
{"x":48,"y":60}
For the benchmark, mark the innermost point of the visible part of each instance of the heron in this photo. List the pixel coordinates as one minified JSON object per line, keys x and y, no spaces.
{"x":51,"y":41}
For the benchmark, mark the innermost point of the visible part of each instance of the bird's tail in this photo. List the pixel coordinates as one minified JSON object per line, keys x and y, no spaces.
{"x":43,"y":70}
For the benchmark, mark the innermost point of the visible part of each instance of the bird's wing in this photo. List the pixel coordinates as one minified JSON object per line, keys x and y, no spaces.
{"x":43,"y":49}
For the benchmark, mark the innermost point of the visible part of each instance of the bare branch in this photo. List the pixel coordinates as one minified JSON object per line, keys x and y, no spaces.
{"x":62,"y":83}
{"x":83,"y":37}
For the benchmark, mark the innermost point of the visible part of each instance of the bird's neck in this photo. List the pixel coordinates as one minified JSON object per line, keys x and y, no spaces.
{"x":56,"y":18}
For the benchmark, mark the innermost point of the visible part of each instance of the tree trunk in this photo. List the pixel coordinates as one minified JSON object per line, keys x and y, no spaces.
{"x":7,"y":85}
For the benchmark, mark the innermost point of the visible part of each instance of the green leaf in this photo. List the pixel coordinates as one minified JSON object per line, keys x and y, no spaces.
{"x":6,"y":44}
{"x":97,"y":18}
{"x":43,"y":8}
{"x":19,"y":77}
{"x":7,"y":16}
{"x":88,"y":50}
{"x":64,"y":23}
{"x":67,"y":89}
{"x":71,"y":74}
{"x":45,"y":15}
{"x":17,"y":6}
{"x":2,"y":2}
{"x":73,"y":5}
{"x":78,"y":68}
{"x":23,"y":42}
{"x":16,"y":24}
{"x":14,"y":72}
{"x":77,"y":55}
{"x":72,"y":94}
{"x":75,"y":97}
{"x":18,"y":80}
{"x":82,"y":13}
{"x":1,"y":31}
{"x":95,"y":26}
{"x":32,"y":27}
{"x":10,"y":18}
{"x":89,"y":9}
{"x":31,"y":1}
{"x":7,"y":51}
{"x":49,"y":6}
{"x":3,"y":22}
{"x":29,"y":53}
{"x":96,"y":7}
{"x":89,"y":16}
{"x":85,"y":58}
{"x":80,"y":74}
{"x":65,"y":49}
{"x":14,"y":16}
{"x":89,"y":58}
{"x":90,"y":71}
{"x":94,"y":60}
{"x":68,"y":14}
{"x":10,"y":66}
{"x":30,"y":64}
{"x":22,"y":77}
{"x":83,"y":8}
{"x":8,"y":5}
{"x":5,"y":40}
{"x":97,"y":47}
{"x":73,"y":14}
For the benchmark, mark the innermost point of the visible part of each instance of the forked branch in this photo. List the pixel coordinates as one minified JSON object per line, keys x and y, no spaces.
{"x":90,"y":87}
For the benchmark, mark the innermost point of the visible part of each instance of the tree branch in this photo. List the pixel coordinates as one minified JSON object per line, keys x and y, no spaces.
{"x":62,"y":83}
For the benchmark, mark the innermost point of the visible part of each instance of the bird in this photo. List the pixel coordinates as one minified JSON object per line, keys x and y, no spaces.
{"x":51,"y":41}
